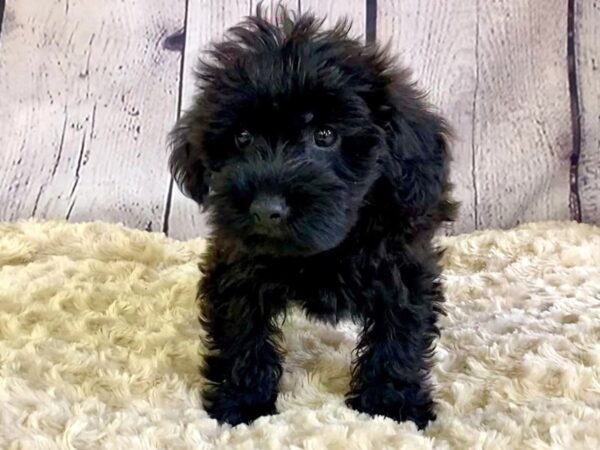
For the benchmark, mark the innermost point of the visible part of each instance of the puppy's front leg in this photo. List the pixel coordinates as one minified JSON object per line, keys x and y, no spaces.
{"x":391,"y":372}
{"x":243,"y":366}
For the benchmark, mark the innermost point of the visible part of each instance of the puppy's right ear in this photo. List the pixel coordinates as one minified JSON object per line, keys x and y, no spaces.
{"x":187,"y":169}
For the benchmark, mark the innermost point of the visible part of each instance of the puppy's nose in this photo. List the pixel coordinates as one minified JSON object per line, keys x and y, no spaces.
{"x":269,"y":210}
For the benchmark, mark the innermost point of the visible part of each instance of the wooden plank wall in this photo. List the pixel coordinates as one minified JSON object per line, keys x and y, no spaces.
{"x":90,"y":89}
{"x":88,"y":94}
{"x":498,"y":71}
{"x":586,"y":80}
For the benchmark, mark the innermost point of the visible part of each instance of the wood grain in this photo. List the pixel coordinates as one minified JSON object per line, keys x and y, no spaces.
{"x":207,"y":20}
{"x":354,"y":10}
{"x":436,"y":40}
{"x":587,"y":47}
{"x":522,"y":135}
{"x":498,"y":71}
{"x":90,"y":90}
{"x":87,"y":95}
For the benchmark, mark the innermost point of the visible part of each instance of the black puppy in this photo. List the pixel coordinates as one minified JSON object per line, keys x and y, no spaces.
{"x":325,"y":176}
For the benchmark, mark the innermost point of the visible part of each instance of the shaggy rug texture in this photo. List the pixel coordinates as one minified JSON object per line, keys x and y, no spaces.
{"x":99,"y":348}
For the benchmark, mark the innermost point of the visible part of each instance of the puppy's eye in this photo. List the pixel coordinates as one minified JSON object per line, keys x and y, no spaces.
{"x":325,"y":137}
{"x":243,"y":139}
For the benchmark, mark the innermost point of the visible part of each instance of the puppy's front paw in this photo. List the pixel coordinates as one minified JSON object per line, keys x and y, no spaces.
{"x":411,"y":402}
{"x":234,"y":407}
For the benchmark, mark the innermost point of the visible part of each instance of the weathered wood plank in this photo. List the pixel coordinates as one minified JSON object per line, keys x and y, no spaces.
{"x":436,"y":40}
{"x":523,"y":139}
{"x":587,"y":48}
{"x":87,"y":95}
{"x":207,"y":20}
{"x":355,"y":10}
{"x":498,"y":72}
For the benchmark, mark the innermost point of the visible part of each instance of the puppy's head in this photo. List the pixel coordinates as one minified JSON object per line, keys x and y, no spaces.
{"x":292,"y":129}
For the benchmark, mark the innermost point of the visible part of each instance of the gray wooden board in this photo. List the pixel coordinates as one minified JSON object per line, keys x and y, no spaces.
{"x":498,"y":71}
{"x":523,"y":139}
{"x":88,"y":93}
{"x":587,"y":48}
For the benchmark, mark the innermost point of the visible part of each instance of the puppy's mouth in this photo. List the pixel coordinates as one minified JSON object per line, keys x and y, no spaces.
{"x":268,"y":245}
{"x":280,"y":247}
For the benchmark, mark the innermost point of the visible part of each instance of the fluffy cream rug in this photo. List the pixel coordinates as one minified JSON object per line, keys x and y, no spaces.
{"x":99,"y":348}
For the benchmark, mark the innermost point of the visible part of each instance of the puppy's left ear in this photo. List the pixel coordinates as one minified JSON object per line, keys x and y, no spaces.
{"x":417,"y":162}
{"x":185,"y":164}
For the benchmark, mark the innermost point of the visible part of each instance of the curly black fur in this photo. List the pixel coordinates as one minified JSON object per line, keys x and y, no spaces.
{"x":362,"y":212}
